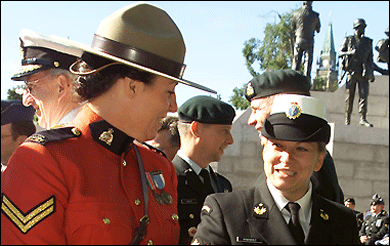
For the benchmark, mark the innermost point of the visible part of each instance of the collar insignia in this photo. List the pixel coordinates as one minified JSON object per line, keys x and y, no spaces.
{"x":294,"y":111}
{"x":107,"y":136}
{"x":249,"y":90}
{"x":38,"y":138}
{"x":324,"y":215}
{"x":260,"y":211}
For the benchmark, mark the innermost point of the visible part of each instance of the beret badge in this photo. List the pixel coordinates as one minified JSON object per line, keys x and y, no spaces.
{"x":294,"y":111}
{"x":249,"y":89}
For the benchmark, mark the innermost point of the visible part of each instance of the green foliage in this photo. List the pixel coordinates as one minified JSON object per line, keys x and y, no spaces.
{"x":12,"y":95}
{"x":238,"y":99}
{"x":274,"y":51}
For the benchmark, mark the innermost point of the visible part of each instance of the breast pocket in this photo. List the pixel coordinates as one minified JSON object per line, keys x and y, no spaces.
{"x":96,"y":222}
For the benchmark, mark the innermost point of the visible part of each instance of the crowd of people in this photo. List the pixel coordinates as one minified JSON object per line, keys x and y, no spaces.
{"x":113,"y":168}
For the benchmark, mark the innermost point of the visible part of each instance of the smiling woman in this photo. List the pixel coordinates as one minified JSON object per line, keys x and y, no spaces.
{"x":283,"y":209}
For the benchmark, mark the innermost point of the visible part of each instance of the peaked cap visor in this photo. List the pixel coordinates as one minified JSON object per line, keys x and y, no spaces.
{"x":40,"y":52}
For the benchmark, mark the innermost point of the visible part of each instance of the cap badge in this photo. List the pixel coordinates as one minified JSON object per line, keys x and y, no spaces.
{"x":56,"y":63}
{"x":260,"y":211}
{"x":294,"y":111}
{"x":107,"y":136}
{"x":249,"y":90}
{"x":324,"y":215}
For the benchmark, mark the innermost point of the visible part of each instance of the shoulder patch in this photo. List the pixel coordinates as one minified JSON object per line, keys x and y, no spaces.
{"x":26,"y":221}
{"x":53,"y":135}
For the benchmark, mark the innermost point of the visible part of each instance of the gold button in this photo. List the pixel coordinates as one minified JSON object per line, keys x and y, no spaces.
{"x":175,"y":217}
{"x":106,"y":221}
{"x":124,"y":163}
{"x":137,"y":202}
{"x":192,"y":216}
{"x":150,"y":242}
{"x":76,"y":131}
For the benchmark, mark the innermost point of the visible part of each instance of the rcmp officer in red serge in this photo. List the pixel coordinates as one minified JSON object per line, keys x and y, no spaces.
{"x":90,"y":182}
{"x":283,"y":209}
{"x":204,"y":127}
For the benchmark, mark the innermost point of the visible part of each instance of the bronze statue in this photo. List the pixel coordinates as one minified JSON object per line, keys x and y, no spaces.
{"x":357,"y":62}
{"x":304,"y":22}
{"x":383,"y":48}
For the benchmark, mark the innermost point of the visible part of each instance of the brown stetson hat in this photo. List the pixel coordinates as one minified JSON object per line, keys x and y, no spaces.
{"x":142,"y":36}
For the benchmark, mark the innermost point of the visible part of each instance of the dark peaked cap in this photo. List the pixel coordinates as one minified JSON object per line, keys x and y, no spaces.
{"x":276,"y":82}
{"x":13,"y":111}
{"x":206,"y":109}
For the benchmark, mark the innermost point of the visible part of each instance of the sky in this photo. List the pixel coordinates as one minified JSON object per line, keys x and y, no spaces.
{"x":214,"y":32}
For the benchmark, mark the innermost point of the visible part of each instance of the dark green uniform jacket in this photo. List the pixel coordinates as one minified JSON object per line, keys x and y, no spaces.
{"x":252,"y":217}
{"x":191,"y":195}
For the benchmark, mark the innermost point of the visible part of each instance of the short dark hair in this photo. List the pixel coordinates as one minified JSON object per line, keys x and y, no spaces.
{"x":22,"y":128}
{"x":170,"y":123}
{"x":351,"y":200}
{"x":91,"y":86}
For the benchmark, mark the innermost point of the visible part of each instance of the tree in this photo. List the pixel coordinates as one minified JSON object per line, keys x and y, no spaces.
{"x":274,"y":52}
{"x":12,"y":95}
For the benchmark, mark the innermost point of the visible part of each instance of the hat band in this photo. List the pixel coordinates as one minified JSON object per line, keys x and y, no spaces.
{"x":138,"y":56}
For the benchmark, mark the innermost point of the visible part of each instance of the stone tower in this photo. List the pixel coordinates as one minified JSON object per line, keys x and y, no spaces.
{"x":327,"y":65}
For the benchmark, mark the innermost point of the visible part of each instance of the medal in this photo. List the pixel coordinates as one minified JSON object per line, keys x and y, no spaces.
{"x":166,"y":197}
{"x":158,"y":198}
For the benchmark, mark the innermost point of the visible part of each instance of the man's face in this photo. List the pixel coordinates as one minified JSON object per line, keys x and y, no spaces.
{"x":288,"y":165}
{"x":161,"y":142}
{"x":214,"y":139}
{"x":349,"y":205}
{"x":8,"y":144}
{"x":43,"y":95}
{"x":359,"y":30}
{"x":377,"y":208}
{"x":261,"y":109}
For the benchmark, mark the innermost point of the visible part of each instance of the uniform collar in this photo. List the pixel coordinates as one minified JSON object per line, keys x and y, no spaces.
{"x":197,"y":169}
{"x":110,"y":137}
{"x":281,"y":202}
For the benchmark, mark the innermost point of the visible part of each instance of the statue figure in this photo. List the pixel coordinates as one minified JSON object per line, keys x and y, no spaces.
{"x":383,"y":48}
{"x":304,"y":22}
{"x":357,"y":62}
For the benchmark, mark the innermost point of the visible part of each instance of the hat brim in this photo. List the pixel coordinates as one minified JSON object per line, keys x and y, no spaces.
{"x":27,"y":70}
{"x":93,"y":51}
{"x":297,"y":133}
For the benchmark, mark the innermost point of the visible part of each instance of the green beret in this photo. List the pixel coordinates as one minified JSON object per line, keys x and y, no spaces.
{"x":206,"y":109}
{"x":275,"y":82}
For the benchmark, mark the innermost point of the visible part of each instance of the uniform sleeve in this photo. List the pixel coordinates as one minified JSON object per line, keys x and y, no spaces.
{"x":34,"y":195}
{"x":212,"y":228}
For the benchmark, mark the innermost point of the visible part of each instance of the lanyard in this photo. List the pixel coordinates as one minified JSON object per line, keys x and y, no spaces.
{"x":140,"y":231}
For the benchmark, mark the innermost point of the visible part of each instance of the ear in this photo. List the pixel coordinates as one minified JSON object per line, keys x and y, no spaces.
{"x":319,"y":161}
{"x":195,"y":128}
{"x":132,"y":87}
{"x":63,"y":83}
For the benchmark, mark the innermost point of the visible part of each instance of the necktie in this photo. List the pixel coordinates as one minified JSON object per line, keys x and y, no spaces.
{"x":207,"y":182}
{"x":294,"y":225}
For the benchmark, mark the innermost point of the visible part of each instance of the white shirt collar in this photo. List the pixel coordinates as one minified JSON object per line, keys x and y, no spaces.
{"x":305,"y":203}
{"x":69,"y":116}
{"x":190,"y":162}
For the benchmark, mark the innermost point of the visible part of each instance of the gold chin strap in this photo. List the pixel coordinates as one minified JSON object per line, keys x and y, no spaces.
{"x":75,"y":64}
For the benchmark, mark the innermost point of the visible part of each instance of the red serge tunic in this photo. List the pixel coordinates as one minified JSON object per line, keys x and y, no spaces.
{"x":81,"y":185}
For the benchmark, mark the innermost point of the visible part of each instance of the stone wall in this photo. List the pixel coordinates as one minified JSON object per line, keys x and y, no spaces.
{"x":361,"y":154}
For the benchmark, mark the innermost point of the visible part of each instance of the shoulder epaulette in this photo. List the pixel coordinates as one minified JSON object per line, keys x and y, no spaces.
{"x":52,"y":135}
{"x":154,"y":149}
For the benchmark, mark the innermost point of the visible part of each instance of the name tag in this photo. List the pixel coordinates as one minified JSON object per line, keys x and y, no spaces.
{"x":189,"y":201}
{"x":248,"y":240}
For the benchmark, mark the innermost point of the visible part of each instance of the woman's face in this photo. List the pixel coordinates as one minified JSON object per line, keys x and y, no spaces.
{"x":289,"y":165}
{"x":153,"y":103}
